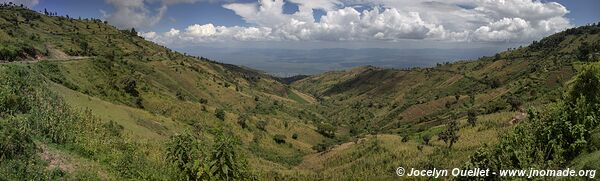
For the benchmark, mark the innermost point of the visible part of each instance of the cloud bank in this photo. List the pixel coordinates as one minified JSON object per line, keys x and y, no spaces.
{"x":380,"y":20}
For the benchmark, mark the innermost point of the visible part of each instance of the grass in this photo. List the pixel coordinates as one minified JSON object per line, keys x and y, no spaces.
{"x":128,"y":117}
{"x":153,"y":93}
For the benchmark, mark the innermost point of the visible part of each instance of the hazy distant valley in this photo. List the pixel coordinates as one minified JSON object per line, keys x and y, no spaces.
{"x":290,"y":62}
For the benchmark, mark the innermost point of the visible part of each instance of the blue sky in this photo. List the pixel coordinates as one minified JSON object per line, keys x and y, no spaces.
{"x":582,"y":11}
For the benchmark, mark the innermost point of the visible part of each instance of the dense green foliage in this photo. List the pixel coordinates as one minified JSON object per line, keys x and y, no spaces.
{"x":551,"y":138}
{"x":129,"y":109}
{"x":43,"y":115}
{"x":182,"y":152}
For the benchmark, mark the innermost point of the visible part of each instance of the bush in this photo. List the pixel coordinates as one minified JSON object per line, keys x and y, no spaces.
{"x":203,"y":101}
{"x":321,"y":147}
{"x":220,"y":114}
{"x":426,"y":139}
{"x":242,"y":121}
{"x":295,"y":136}
{"x":279,"y":139}
{"x":224,"y":162}
{"x":515,"y":103}
{"x":326,"y":130}
{"x":113,"y":128}
{"x":405,"y":138}
{"x":15,"y":139}
{"x":182,"y":152}
{"x":261,"y":125}
{"x":472,"y":117}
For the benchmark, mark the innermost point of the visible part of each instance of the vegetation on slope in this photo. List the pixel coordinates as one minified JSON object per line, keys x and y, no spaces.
{"x":145,"y":94}
{"x":80,"y":92}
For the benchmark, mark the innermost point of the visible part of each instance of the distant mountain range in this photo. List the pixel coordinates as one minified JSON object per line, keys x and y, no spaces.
{"x":290,"y":62}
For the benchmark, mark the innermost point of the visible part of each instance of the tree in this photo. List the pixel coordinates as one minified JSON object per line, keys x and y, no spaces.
{"x":220,"y":113}
{"x":450,"y":135}
{"x":132,"y":32}
{"x":472,"y":117}
{"x":295,"y":136}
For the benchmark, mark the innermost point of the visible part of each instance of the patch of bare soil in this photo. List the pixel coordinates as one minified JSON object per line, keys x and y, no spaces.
{"x":518,"y":117}
{"x":56,"y":160}
{"x":66,"y":163}
{"x":56,"y":54}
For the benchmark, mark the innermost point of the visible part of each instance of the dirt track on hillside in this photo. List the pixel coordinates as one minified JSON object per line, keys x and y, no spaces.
{"x":51,"y":60}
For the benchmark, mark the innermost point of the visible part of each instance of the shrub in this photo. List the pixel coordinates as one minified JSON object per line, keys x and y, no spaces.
{"x":203,"y":101}
{"x":242,"y":121}
{"x":261,"y":125}
{"x":295,"y":136}
{"x":113,"y":128}
{"x":224,"y":162}
{"x":514,"y":102}
{"x":405,"y":138}
{"x":220,"y":114}
{"x":279,"y":139}
{"x":15,"y":139}
{"x":321,"y":147}
{"x":326,"y":130}
{"x":182,"y":152}
{"x":472,"y":117}
{"x":426,"y":139}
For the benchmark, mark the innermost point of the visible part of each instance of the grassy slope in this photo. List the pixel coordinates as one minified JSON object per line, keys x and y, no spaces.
{"x":418,"y":101}
{"x":181,"y":93}
{"x":175,"y":92}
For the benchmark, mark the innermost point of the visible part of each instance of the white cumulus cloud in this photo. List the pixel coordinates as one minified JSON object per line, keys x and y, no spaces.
{"x":385,"y":20}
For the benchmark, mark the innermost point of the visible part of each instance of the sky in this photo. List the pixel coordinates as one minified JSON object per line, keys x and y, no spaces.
{"x":197,"y":22}
{"x":196,"y":25}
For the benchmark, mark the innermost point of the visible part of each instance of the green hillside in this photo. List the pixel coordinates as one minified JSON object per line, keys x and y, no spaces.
{"x":82,"y":100}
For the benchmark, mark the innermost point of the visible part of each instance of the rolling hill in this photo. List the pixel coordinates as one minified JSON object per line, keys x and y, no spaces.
{"x":81,"y":99}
